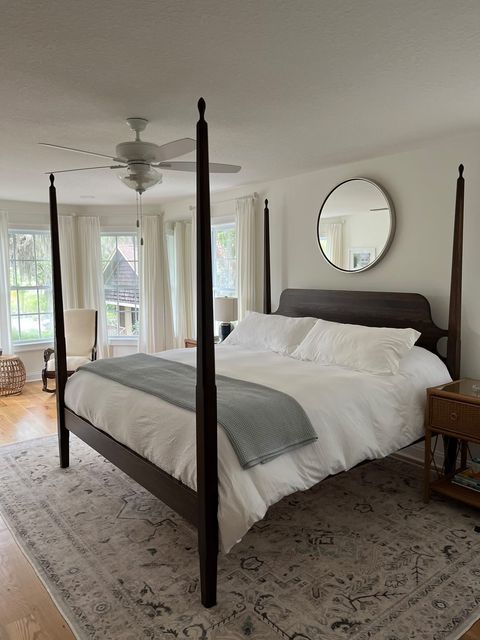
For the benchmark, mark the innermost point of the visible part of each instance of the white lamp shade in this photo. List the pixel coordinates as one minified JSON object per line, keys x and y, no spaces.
{"x":225,"y":309}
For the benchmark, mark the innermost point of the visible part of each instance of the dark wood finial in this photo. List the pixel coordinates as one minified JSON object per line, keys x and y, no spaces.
{"x":266,"y":203}
{"x":201,"y":108}
{"x":460,"y":170}
{"x":52,"y":179}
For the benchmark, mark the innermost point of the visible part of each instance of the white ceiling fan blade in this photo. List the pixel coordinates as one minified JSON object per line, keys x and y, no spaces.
{"x":175,"y":149}
{"x":107,"y":166}
{"x":215,"y":167}
{"x":90,"y":153}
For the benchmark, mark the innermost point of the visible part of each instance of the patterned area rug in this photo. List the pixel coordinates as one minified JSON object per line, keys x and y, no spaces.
{"x":359,"y":556}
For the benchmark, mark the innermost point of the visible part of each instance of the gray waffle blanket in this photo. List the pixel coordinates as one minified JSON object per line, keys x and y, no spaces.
{"x":261,"y":423}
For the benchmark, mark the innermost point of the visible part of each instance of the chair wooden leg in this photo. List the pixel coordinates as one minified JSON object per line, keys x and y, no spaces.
{"x":45,"y":383}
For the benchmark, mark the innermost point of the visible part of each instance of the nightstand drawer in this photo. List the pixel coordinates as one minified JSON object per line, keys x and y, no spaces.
{"x":462,"y":418}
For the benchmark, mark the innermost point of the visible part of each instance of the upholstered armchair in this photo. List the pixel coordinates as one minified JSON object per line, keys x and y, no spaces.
{"x":80,"y":341}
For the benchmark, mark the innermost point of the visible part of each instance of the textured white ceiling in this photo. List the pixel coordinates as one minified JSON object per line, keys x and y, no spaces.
{"x":291,"y":85}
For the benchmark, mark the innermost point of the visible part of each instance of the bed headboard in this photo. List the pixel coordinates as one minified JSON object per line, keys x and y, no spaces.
{"x":396,"y":310}
{"x":370,"y":308}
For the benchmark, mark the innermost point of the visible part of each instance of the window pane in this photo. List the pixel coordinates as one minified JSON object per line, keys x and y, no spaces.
{"x":46,"y":325}
{"x":29,"y":327}
{"x":26,"y":276}
{"x":44,"y":273}
{"x":30,"y":285}
{"x":13,"y":279}
{"x":121,"y":286}
{"x":25,"y":246}
{"x":13,"y":302}
{"x":15,"y":330}
{"x":108,"y":247}
{"x":112,"y":320}
{"x":44,"y":300}
{"x":28,"y":301}
{"x":224,"y":260}
{"x":42,"y":246}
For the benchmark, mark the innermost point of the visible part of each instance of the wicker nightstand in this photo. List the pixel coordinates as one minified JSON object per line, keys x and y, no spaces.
{"x":453,"y":410}
{"x":12,"y":375}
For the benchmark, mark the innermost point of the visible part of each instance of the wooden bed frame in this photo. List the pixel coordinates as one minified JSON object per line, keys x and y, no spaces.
{"x":372,"y":308}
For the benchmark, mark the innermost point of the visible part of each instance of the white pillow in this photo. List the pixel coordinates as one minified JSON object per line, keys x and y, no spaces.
{"x":270,"y":332}
{"x":374,"y":349}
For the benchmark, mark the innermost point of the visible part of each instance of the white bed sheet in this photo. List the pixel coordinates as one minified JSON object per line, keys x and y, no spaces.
{"x":357,"y":416}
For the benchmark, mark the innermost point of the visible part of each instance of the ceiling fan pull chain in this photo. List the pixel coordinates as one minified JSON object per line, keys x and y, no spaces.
{"x":141,"y":220}
{"x":136,"y":201}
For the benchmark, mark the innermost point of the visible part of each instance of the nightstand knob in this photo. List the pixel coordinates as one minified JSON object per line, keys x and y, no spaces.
{"x":453,"y":416}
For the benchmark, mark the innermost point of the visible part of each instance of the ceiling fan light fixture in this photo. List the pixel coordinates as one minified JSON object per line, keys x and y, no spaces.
{"x":140,"y":177}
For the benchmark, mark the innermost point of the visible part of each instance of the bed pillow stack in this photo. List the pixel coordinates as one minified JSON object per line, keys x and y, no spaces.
{"x":270,"y":332}
{"x":373,"y":349}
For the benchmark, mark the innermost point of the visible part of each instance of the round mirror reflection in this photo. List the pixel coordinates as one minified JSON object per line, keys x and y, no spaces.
{"x":355,"y":225}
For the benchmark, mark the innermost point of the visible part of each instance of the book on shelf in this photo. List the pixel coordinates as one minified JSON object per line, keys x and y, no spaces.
{"x":467,"y":478}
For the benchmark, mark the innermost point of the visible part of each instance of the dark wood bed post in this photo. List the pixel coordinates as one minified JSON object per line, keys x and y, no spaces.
{"x":455,"y":309}
{"x":454,"y":344}
{"x":206,"y":391}
{"x":60,"y":349}
{"x":267,"y":287}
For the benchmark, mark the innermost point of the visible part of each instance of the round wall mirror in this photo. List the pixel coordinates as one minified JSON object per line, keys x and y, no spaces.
{"x":355,"y":225}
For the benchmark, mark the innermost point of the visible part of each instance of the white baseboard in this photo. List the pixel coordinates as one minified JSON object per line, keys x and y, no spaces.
{"x":416,"y":454}
{"x":33,"y":376}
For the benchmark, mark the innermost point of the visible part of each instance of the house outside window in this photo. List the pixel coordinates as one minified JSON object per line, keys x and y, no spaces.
{"x":30,"y":286}
{"x":121,"y":283}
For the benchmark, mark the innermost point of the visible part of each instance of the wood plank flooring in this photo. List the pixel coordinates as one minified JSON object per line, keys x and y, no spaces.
{"x":26,"y":610}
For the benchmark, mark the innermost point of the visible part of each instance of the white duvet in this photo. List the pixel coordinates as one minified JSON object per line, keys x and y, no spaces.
{"x":357,"y":416}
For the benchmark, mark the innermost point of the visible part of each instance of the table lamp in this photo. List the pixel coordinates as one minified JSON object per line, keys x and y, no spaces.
{"x":225,"y":313}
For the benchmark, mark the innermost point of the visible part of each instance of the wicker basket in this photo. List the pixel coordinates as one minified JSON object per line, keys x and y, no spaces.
{"x":12,"y":375}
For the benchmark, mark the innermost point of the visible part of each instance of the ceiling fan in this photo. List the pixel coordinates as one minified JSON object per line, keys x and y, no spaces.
{"x":141,"y":159}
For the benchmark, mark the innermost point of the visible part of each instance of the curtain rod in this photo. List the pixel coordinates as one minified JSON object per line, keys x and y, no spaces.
{"x":253,"y":195}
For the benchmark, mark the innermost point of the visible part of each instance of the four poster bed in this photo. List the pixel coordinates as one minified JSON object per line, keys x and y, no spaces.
{"x":193,"y":490}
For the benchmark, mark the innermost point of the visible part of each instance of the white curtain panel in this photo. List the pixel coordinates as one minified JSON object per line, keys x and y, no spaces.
{"x":192,"y":240}
{"x":67,"y":228}
{"x":184,"y":318}
{"x":5,"y":327}
{"x":90,"y":266}
{"x":156,"y":316}
{"x":335,"y":243}
{"x":245,"y":224}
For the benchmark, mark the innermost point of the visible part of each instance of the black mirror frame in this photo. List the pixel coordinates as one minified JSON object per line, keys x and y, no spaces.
{"x":393,"y":225}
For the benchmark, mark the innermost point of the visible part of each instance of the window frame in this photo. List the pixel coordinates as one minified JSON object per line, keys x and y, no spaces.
{"x":35,"y":343}
{"x":221,"y":224}
{"x":126,"y":340}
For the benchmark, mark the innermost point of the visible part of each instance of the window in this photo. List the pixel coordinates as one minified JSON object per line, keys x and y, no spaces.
{"x":30,"y":286}
{"x":224,"y":260}
{"x":224,"y":263}
{"x":121,"y":285}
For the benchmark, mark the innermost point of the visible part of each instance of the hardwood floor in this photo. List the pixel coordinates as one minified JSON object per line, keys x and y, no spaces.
{"x":28,"y":415}
{"x":26,"y":610}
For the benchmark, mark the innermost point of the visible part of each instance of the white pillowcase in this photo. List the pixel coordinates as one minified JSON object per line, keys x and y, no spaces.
{"x":270,"y":332}
{"x":373,"y":349}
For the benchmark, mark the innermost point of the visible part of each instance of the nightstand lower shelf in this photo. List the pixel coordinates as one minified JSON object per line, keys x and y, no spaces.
{"x":455,"y":491}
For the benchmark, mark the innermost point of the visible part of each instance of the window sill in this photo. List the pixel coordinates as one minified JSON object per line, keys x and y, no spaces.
{"x":20,"y":347}
{"x":122,"y":341}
